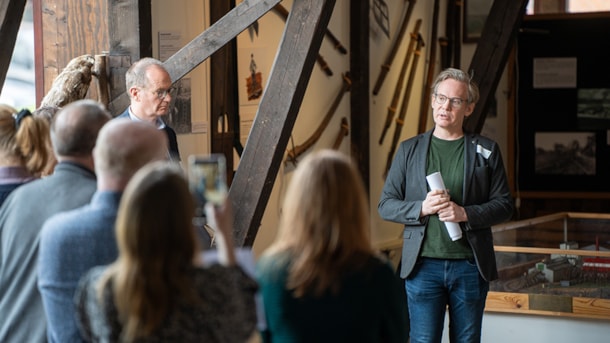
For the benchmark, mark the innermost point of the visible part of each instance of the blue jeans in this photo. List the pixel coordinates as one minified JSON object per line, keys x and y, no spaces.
{"x":436,"y":285}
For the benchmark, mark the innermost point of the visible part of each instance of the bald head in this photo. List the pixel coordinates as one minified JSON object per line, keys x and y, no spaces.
{"x":75,"y":129}
{"x":124,"y":146}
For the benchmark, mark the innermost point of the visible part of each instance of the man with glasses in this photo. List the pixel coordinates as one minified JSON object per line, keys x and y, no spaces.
{"x":150,"y":92}
{"x":442,"y":274}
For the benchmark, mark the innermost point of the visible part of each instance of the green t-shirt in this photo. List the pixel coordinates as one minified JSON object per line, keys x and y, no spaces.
{"x":448,"y":158}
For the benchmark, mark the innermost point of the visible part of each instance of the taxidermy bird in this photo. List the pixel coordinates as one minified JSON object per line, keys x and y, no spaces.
{"x":72,"y":83}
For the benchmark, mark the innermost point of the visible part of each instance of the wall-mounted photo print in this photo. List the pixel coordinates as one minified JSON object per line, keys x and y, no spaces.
{"x":593,"y":108}
{"x":565,"y":153}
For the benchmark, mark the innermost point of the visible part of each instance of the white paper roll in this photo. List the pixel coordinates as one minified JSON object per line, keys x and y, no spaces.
{"x":435,"y":181}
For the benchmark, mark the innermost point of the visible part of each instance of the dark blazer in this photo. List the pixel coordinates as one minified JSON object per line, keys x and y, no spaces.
{"x":486,"y":198}
{"x":171,"y":137}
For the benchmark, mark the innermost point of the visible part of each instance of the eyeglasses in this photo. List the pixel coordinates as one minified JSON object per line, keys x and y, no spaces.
{"x":162,"y":93}
{"x":456,"y":103}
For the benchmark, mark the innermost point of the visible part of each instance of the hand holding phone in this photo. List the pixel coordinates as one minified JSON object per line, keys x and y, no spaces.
{"x":207,"y":180}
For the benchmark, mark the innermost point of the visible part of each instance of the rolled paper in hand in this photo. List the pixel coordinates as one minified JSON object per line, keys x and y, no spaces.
{"x":435,"y":181}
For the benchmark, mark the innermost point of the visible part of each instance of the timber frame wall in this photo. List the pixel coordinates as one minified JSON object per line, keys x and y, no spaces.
{"x":122,"y":29}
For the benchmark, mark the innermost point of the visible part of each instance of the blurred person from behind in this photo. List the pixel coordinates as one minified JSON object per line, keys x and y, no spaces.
{"x":23,"y":151}
{"x":150,"y":90}
{"x":156,"y":290}
{"x":22,"y":215}
{"x":75,"y":241}
{"x":321,"y":279}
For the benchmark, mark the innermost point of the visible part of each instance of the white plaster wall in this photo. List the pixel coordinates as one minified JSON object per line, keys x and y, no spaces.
{"x":379,"y":47}
{"x":188,"y":18}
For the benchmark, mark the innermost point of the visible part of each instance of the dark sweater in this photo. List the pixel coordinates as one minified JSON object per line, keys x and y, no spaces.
{"x":370,"y":307}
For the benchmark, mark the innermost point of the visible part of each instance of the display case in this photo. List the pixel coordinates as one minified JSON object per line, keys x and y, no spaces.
{"x":557,"y":264}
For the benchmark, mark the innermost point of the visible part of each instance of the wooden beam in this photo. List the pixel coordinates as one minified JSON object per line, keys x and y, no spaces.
{"x":223,"y":92}
{"x":129,"y":39}
{"x":216,"y":36}
{"x":276,"y":115}
{"x":360,"y":92}
{"x":206,"y":43}
{"x":489,"y":59}
{"x":11,"y":13}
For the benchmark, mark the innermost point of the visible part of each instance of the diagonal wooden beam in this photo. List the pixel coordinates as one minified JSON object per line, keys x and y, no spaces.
{"x":276,"y":115}
{"x":11,"y":13}
{"x":208,"y":42}
{"x":487,"y":64}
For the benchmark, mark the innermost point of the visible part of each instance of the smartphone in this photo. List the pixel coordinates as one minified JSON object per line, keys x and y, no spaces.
{"x":207,"y":180}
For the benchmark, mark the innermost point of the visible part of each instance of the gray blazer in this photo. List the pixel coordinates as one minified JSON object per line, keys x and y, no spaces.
{"x":486,"y":198}
{"x":22,"y":215}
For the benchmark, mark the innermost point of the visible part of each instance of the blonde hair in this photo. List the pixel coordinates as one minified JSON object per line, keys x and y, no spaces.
{"x":24,"y":139}
{"x":460,"y":76}
{"x":157,"y":244}
{"x":324,"y":226}
{"x":48,"y":113}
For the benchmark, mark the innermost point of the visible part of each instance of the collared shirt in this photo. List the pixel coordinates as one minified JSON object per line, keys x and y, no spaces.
{"x":159,"y":123}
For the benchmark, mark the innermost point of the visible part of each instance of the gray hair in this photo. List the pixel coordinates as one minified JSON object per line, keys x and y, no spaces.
{"x":136,"y":74}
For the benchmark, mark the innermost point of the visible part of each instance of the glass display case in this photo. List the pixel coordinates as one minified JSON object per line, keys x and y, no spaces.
{"x":557,"y":264}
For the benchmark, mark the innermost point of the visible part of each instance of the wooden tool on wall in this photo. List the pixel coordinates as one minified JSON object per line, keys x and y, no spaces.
{"x":283,"y":12}
{"x":400,"y":120}
{"x":401,"y":76}
{"x":425,"y":100}
{"x":297,"y":151}
{"x":343,"y":132}
{"x":385,"y":67}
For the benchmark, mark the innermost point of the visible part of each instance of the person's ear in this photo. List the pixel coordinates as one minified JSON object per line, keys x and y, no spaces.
{"x":134,"y":92}
{"x":469,"y":109}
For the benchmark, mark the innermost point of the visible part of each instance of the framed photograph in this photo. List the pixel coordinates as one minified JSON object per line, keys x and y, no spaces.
{"x":475,"y":14}
{"x":565,"y":153}
{"x":593,"y":108}
{"x":562,"y":116}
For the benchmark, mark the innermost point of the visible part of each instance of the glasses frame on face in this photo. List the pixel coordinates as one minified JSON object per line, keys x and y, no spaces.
{"x":441,"y":99}
{"x":162,"y":93}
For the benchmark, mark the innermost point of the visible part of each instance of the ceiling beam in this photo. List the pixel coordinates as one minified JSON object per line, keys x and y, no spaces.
{"x":11,"y":13}
{"x":489,"y":59}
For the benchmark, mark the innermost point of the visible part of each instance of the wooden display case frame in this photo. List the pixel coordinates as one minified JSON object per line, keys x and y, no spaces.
{"x":533,"y":303}
{"x":527,"y":302}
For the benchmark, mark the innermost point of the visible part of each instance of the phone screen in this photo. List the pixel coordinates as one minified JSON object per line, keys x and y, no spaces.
{"x":207,"y":179}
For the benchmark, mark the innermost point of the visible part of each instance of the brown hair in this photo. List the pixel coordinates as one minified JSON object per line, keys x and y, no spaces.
{"x":157,"y":244}
{"x":24,"y":137}
{"x":324,"y":227}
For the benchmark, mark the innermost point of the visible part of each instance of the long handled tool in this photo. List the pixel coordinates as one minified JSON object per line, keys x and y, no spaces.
{"x":425,"y":100}
{"x":343,"y":132}
{"x":457,"y":34}
{"x":385,"y":67}
{"x":405,"y":102}
{"x":300,"y":149}
{"x":401,"y":78}
{"x":283,"y":12}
